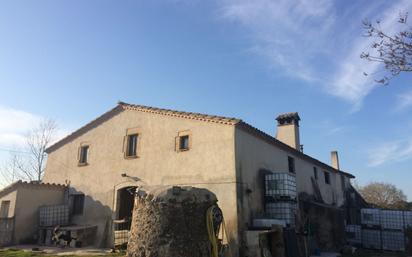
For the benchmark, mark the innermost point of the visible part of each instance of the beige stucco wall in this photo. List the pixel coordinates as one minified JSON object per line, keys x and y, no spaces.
{"x":209,"y":164}
{"x":254,"y":154}
{"x":29,"y":199}
{"x":12,"y":198}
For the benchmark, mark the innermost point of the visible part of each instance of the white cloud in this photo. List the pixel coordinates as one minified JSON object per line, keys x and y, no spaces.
{"x":404,"y":101}
{"x":349,"y":82}
{"x":275,"y":27}
{"x":329,"y":128}
{"x":315,"y":40}
{"x":14,"y":125}
{"x":390,"y":152}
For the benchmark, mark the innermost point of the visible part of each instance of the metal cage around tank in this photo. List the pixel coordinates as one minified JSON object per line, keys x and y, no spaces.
{"x":381,"y":229}
{"x":280,"y":186}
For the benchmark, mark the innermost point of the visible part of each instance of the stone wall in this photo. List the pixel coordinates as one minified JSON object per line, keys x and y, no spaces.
{"x":170,"y":222}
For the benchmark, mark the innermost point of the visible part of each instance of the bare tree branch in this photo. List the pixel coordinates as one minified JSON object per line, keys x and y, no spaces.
{"x":30,"y":166}
{"x":393,"y":51}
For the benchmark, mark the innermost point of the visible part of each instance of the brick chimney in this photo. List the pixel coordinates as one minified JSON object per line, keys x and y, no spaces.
{"x":334,"y":159}
{"x":288,"y":129}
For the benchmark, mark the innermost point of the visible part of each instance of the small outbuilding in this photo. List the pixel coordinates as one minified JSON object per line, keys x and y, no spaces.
{"x":19,"y":207}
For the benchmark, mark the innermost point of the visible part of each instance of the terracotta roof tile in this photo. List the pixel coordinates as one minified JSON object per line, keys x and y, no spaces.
{"x":273,"y":141}
{"x":288,"y":115}
{"x":18,"y":183}
{"x":189,"y":115}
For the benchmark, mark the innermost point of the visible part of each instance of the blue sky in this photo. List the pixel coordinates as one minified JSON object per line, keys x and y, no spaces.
{"x":73,"y":60}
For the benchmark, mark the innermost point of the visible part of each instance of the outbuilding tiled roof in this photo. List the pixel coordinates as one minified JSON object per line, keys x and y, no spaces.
{"x":15,"y":185}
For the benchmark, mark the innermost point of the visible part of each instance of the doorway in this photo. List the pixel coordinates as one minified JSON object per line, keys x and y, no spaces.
{"x":126,"y":201}
{"x":122,"y":224}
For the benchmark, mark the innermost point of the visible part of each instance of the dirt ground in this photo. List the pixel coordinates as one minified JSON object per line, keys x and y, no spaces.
{"x":371,"y":253}
{"x":29,"y":253}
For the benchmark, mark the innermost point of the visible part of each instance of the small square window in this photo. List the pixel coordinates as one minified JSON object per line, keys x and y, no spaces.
{"x":184,"y":143}
{"x":131,"y":150}
{"x":327,"y":177}
{"x":315,"y":173}
{"x":84,"y":154}
{"x":291,"y":164}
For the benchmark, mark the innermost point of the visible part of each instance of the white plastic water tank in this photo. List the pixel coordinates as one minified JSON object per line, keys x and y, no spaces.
{"x":280,"y":185}
{"x":370,"y":217}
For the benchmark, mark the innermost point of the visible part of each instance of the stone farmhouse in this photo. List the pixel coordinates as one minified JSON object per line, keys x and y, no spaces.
{"x":133,"y":145}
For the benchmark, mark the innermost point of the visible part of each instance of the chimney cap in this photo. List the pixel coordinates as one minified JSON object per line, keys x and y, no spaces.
{"x":288,"y":118}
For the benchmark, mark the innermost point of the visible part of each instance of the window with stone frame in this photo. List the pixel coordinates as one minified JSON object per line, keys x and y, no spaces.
{"x":183,"y":141}
{"x":131,"y":148}
{"x":84,"y":155}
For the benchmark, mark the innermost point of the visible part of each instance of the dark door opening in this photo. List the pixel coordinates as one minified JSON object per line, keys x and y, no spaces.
{"x":124,"y":215}
{"x":126,"y":200}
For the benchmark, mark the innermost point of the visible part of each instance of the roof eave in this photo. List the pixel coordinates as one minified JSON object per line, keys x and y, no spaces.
{"x":260,"y":134}
{"x":125,"y":106}
{"x":82,"y":130}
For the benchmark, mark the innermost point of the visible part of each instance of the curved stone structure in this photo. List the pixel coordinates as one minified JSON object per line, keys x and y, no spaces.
{"x":170,"y":222}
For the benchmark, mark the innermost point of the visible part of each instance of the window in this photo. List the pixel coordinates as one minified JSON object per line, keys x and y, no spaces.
{"x":315,"y":172}
{"x":77,"y":203}
{"x":327,"y":177}
{"x":84,"y":154}
{"x":131,"y":150}
{"x":184,"y":143}
{"x":4,"y":209}
{"x":291,"y":164}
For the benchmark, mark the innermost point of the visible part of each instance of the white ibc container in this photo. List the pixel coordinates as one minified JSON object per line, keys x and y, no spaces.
{"x":353,"y":234}
{"x":280,"y":185}
{"x":392,"y":219}
{"x":407,"y":218}
{"x":53,"y":215}
{"x":268,"y":223}
{"x":371,"y":239}
{"x":370,"y":217}
{"x":393,"y":240}
{"x":283,"y":211}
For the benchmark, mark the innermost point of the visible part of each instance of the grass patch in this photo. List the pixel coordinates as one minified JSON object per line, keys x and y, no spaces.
{"x":20,"y":253}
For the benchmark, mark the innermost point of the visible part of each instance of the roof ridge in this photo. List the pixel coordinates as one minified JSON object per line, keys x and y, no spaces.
{"x":122,"y":106}
{"x":182,"y":114}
